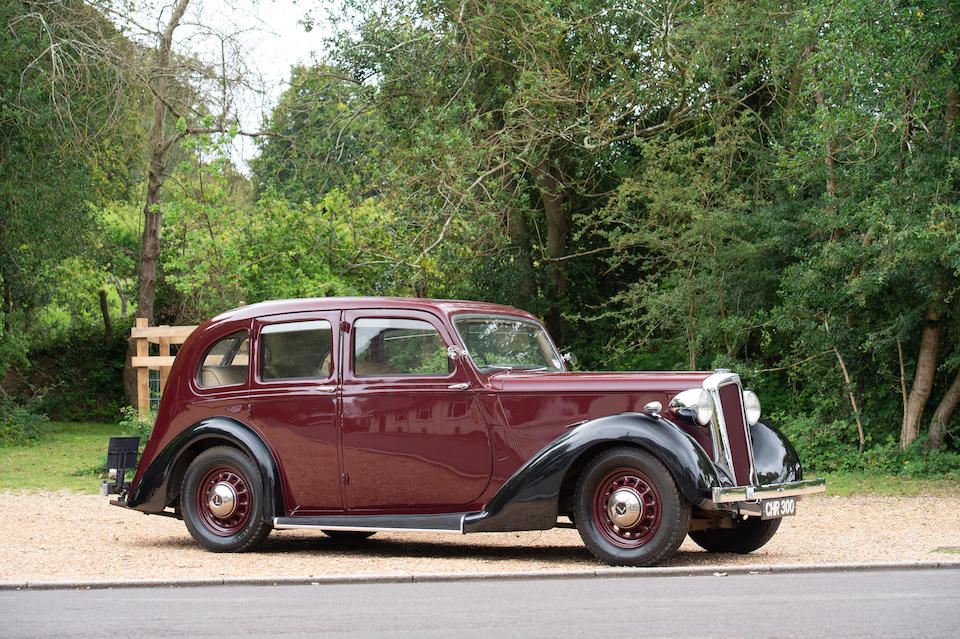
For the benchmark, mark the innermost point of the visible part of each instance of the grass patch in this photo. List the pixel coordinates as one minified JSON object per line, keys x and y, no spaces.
{"x":852,"y":484}
{"x":953,"y":550}
{"x":69,"y":455}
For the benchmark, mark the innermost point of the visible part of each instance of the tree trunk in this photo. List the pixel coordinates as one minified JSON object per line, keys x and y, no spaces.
{"x":558,"y":224}
{"x":948,"y":403}
{"x":159,"y":146}
{"x":796,"y":79}
{"x":923,"y":379}
{"x":831,"y":163}
{"x":516,"y":228}
{"x":941,"y":417}
{"x":105,"y":311}
{"x":558,"y":230}
{"x":953,"y":111}
{"x":7,"y":306}
{"x":150,"y":240}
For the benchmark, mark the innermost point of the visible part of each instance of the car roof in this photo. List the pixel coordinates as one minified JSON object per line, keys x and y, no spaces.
{"x":299,"y":305}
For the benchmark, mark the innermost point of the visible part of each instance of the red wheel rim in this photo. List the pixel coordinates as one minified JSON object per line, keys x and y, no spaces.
{"x":636,"y":484}
{"x":224,"y":477}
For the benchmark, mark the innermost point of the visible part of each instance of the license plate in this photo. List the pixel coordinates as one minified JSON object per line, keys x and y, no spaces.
{"x":774,"y":508}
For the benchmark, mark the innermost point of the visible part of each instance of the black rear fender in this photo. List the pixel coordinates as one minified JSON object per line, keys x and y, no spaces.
{"x":160,"y":485}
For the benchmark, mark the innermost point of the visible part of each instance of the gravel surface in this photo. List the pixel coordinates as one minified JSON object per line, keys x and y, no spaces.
{"x":74,"y":537}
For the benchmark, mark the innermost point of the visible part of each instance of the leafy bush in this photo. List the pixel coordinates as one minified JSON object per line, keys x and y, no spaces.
{"x":20,"y":423}
{"x":823,"y":446}
{"x":831,"y":446}
{"x":133,"y":426}
{"x":80,"y":375}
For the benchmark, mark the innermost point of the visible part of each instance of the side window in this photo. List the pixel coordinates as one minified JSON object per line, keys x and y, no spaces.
{"x":398,"y":347}
{"x":296,"y":350}
{"x":225,"y":362}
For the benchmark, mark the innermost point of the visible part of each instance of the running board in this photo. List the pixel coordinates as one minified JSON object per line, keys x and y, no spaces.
{"x":446,"y":522}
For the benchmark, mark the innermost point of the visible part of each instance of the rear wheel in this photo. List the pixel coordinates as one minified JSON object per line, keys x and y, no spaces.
{"x":628,"y":509}
{"x":746,"y":536}
{"x":222,"y":501}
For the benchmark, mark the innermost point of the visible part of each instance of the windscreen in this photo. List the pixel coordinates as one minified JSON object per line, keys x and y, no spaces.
{"x":507,"y":343}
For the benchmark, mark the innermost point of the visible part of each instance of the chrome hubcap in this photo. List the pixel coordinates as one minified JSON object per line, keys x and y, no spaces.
{"x":222,"y":500}
{"x":625,"y":508}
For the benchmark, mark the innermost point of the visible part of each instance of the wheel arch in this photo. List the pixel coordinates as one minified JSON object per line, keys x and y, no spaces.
{"x":160,"y":485}
{"x":542,"y":488}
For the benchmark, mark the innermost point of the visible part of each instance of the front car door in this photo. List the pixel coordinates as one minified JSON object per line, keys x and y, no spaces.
{"x":413,"y":436}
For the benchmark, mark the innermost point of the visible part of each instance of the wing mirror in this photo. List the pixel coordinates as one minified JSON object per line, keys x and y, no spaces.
{"x":456,"y":352}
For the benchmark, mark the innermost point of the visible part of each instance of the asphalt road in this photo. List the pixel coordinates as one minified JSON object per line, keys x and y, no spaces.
{"x":905,"y":603}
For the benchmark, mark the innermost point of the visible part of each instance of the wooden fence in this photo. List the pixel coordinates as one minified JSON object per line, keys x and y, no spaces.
{"x":144,"y":362}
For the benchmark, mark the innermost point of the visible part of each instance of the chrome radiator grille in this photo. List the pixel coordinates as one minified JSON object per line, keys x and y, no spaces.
{"x":732,"y":447}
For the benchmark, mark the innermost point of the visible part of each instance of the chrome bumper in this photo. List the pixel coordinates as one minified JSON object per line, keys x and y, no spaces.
{"x":730,"y":494}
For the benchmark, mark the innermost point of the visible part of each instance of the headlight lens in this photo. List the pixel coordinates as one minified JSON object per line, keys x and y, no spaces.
{"x":751,"y":406}
{"x":704,"y":408}
{"x":694,"y":403}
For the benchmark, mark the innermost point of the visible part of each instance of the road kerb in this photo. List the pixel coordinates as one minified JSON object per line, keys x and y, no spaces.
{"x":599,"y":573}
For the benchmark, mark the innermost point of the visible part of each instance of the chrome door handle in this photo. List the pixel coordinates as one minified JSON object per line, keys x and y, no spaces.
{"x":326,"y":389}
{"x":460,"y":386}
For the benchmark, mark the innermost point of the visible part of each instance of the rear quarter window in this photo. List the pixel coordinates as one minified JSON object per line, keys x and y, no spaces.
{"x":226,"y":362}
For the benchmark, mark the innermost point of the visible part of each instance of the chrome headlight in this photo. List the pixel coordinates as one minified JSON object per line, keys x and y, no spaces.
{"x":751,"y":406}
{"x":694,"y":403}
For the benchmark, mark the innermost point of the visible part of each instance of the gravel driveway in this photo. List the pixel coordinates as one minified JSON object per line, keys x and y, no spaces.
{"x":74,"y":537}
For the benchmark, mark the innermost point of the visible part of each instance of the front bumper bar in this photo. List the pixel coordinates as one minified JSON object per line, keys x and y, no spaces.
{"x":728,"y":494}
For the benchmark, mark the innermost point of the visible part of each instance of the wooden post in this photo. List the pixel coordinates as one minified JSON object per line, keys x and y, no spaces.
{"x":164,"y":343}
{"x":144,"y":362}
{"x":143,"y":373}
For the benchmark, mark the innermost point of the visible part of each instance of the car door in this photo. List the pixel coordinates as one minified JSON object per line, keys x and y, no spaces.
{"x":294,"y":399}
{"x":413,"y":435}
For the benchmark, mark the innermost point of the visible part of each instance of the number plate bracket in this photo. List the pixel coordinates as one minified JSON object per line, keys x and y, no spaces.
{"x":769,"y":508}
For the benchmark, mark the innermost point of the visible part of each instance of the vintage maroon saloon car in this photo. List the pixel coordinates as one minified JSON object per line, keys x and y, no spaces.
{"x":356,"y":415}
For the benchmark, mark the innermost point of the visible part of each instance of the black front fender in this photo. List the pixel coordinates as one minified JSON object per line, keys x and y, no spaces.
{"x":160,"y":485}
{"x":529,"y":500}
{"x":774,"y":458}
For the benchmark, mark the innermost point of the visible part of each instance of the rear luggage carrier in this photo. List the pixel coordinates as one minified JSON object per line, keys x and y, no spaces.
{"x":121,"y":457}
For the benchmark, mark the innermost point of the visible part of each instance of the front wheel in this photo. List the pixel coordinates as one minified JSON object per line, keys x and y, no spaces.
{"x":628,"y":509}
{"x":222,"y":501}
{"x":746,"y":535}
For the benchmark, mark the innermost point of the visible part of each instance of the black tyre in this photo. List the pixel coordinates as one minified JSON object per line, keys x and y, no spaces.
{"x":628,"y":509}
{"x":746,"y":536}
{"x":222,"y":501}
{"x":349,"y":535}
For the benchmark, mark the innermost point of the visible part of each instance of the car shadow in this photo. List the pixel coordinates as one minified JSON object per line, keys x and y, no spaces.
{"x":384,"y":548}
{"x":387,"y":548}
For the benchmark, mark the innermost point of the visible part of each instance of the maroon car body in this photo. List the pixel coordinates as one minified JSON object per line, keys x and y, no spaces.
{"x":353,"y":415}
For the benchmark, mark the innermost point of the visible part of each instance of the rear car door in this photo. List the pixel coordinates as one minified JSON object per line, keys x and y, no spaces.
{"x":294,"y":400}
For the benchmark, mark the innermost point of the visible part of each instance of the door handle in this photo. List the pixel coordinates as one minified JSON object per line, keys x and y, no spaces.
{"x":326,"y":389}
{"x":460,"y":386}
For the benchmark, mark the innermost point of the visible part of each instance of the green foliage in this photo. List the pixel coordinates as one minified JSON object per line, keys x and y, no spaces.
{"x":20,"y":423}
{"x":132,"y":426}
{"x":60,"y":152}
{"x":831,"y":446}
{"x":324,"y":140}
{"x":77,"y":373}
{"x":823,"y":446}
